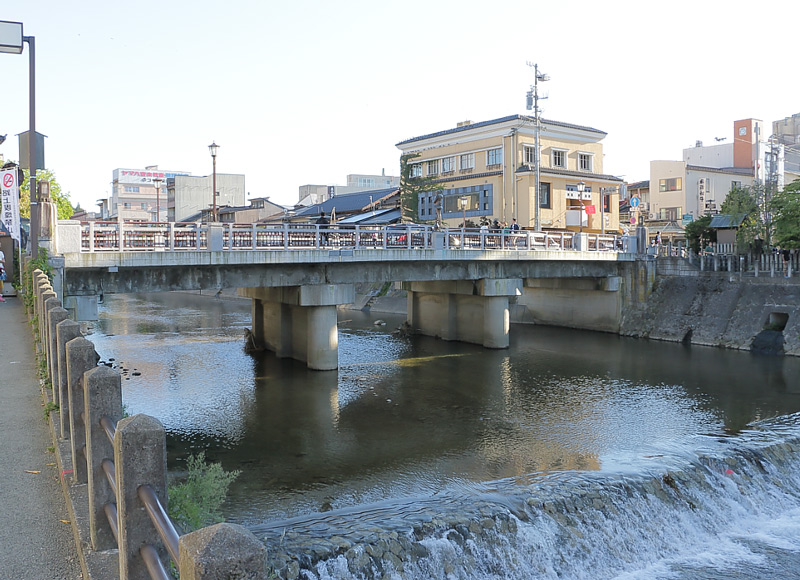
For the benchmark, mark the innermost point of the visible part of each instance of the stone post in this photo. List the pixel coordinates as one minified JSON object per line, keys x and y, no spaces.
{"x":140,"y":458}
{"x":66,"y":330}
{"x":55,"y":316}
{"x":81,"y":357}
{"x":220,"y":552}
{"x":42,"y":313}
{"x":102,"y":393}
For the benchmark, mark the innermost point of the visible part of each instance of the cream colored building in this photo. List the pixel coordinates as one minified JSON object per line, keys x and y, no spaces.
{"x":492,"y":164}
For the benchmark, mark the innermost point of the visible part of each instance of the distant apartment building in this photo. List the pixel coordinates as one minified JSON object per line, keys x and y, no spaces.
{"x":356,"y":182}
{"x":698,"y":185}
{"x":491,"y":166}
{"x":134,"y":193}
{"x":189,"y":197}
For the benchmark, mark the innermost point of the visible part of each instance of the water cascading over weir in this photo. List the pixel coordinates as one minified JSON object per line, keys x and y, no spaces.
{"x":696,"y":504}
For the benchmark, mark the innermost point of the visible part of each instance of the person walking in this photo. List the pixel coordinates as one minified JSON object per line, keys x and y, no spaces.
{"x":2,"y":274}
{"x":322,"y":221}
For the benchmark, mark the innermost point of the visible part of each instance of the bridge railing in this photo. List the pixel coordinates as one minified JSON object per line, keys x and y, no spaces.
{"x":123,"y":463}
{"x":159,"y":236}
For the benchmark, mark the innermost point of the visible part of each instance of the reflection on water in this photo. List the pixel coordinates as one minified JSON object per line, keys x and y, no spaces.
{"x":409,"y":416}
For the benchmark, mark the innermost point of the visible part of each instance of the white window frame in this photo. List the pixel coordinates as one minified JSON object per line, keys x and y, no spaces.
{"x":432,"y":167}
{"x":589,"y":157}
{"x":416,"y":170}
{"x":467,"y":161}
{"x":448,"y":164}
{"x":529,"y":154}
{"x":496,"y":152}
{"x":556,"y":151}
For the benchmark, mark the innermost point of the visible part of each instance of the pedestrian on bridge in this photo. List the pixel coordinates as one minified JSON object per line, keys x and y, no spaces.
{"x":322,"y":221}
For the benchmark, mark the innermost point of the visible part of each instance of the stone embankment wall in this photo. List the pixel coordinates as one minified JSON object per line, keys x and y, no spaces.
{"x":718,"y":309}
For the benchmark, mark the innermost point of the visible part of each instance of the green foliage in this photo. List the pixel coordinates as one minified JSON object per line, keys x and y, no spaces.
{"x":40,"y":263}
{"x":411,"y":188}
{"x":786,"y":216}
{"x":743,"y":202}
{"x":196,"y":502}
{"x":61,"y":199}
{"x":49,"y":408}
{"x":698,"y":234}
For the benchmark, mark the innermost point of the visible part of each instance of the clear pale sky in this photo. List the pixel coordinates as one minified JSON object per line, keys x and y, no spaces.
{"x":307,"y":91}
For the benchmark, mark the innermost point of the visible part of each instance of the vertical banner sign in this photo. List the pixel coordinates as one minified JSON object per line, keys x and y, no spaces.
{"x":9,"y":195}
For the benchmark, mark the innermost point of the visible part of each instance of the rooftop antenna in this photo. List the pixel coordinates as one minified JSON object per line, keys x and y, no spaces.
{"x":533,"y":104}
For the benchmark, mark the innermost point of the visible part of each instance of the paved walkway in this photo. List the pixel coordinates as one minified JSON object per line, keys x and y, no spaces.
{"x":36,"y":538}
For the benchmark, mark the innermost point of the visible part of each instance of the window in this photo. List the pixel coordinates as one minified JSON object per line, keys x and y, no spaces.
{"x":544,"y":194}
{"x":416,"y":170}
{"x":366,"y":182}
{"x":143,"y":205}
{"x":126,"y":205}
{"x":468,"y":161}
{"x":559,"y":158}
{"x":494,"y":157}
{"x":448,"y":164}
{"x":433,"y":167}
{"x":736,"y":185}
{"x":131,"y":189}
{"x":529,"y":155}
{"x":584,"y":161}
{"x":670,"y":213}
{"x":671,"y":184}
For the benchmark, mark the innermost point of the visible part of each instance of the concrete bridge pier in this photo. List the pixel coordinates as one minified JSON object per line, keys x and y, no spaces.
{"x":474,"y":311}
{"x":300,"y":322}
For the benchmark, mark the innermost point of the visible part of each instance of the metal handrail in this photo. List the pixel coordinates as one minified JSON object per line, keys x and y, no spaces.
{"x":151,"y":236}
{"x":153,"y":563}
{"x":158,"y":515}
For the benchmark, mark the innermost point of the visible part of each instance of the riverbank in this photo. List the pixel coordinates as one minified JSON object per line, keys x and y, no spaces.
{"x":718,"y":309}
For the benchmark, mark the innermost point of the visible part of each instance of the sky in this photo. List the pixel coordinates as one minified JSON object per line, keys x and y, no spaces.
{"x":307,"y":91}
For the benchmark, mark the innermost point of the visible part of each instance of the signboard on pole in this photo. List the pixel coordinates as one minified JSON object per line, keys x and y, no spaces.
{"x":590,"y":209}
{"x":9,"y":194}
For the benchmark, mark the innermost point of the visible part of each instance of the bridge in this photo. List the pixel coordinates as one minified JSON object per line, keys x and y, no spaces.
{"x":460,"y":283}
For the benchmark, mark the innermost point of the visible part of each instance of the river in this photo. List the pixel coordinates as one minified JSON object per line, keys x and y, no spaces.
{"x":415,"y":421}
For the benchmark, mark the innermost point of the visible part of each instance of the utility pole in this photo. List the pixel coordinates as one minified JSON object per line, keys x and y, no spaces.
{"x":533,"y":103}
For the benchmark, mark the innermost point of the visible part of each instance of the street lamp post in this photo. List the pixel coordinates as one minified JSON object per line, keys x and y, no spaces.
{"x":213,"y":150}
{"x":464,"y":200}
{"x":581,"y":187}
{"x":11,"y":40}
{"x":158,"y":181}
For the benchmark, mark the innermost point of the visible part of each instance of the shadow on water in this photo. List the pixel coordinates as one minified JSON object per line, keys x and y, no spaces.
{"x":407,"y":416}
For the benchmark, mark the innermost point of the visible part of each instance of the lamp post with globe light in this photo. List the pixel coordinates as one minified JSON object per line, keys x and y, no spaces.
{"x":213,"y":150}
{"x":158,"y":181}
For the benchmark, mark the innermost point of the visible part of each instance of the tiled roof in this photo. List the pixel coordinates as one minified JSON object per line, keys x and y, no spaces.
{"x":348,"y":202}
{"x":723,"y":220}
{"x":568,"y":173}
{"x":524,"y":118}
{"x":743,"y":171}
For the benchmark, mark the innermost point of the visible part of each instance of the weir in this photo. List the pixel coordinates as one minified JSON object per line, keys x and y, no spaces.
{"x":688,"y":508}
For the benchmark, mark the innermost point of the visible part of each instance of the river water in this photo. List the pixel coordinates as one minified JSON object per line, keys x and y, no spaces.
{"x":412,"y":425}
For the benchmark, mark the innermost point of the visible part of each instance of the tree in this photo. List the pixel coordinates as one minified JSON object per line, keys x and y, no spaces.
{"x":411,"y":187}
{"x":61,"y":199}
{"x":698,"y":233}
{"x":785,"y":206}
{"x":742,"y":202}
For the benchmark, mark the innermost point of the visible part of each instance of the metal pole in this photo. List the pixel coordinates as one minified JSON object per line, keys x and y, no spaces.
{"x":214,"y":188}
{"x":603,"y":210}
{"x":34,"y":193}
{"x":537,"y":226}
